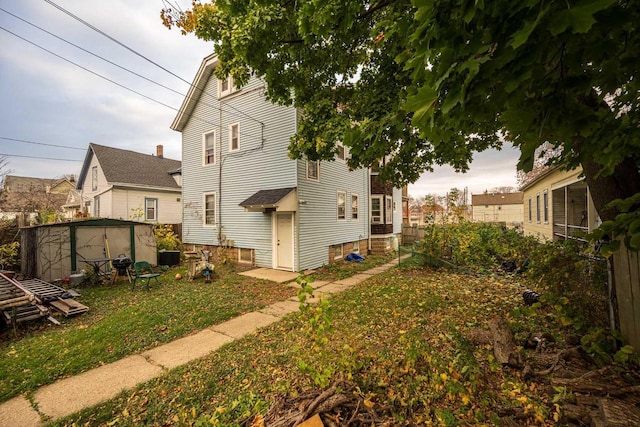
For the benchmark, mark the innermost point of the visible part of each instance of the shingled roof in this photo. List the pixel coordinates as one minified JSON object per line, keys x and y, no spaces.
{"x":128,"y":167}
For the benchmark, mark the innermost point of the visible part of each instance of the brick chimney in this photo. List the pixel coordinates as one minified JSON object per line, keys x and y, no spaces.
{"x":159,"y":151}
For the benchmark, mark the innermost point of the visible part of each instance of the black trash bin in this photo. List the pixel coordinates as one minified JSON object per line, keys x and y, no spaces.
{"x":169,"y":258}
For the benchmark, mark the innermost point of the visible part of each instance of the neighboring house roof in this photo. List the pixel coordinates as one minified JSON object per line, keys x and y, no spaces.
{"x":27,"y":194}
{"x":497,"y":199}
{"x":129,"y":168}
{"x":25,"y":184}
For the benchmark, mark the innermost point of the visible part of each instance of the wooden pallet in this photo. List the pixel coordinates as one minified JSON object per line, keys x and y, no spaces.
{"x":50,"y":294}
{"x":68,"y":307}
{"x":17,"y":303}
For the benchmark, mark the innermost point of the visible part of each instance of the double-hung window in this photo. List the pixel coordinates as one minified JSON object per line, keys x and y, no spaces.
{"x":234,"y":137}
{"x":342,"y":205}
{"x":209,"y":209}
{"x":530,"y":210}
{"x":313,"y":170}
{"x":545,"y":205}
{"x":538,"y":208}
{"x":96,"y":206}
{"x":225,"y":87}
{"x":209,"y":147}
{"x":376,"y":209}
{"x":151,"y":209}
{"x":388,"y":218}
{"x":340,"y":150}
{"x":355,"y":206}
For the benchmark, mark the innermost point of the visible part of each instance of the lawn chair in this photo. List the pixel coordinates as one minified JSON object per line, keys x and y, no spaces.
{"x":144,"y":271}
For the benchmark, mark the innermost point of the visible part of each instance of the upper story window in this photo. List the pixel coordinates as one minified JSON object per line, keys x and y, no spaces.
{"x":94,"y":178}
{"x":234,"y":137}
{"x":151,"y":209}
{"x":313,"y":170}
{"x":342,"y":205}
{"x":209,"y":147}
{"x":225,"y":87}
{"x":340,"y":149}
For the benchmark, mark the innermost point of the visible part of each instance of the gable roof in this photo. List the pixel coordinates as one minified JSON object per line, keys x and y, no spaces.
{"x":497,"y":199}
{"x":129,"y":168}
{"x":195,"y":91}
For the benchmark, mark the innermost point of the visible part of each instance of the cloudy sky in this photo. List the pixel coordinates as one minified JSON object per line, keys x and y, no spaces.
{"x":48,"y":100}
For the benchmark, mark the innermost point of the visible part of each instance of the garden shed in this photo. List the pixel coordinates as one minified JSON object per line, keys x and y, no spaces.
{"x":54,"y":251}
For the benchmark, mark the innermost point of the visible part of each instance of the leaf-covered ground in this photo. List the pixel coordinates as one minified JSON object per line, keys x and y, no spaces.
{"x":398,"y":338}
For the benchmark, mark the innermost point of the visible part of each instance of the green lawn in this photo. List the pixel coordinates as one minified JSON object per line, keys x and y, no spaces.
{"x":397,"y":340}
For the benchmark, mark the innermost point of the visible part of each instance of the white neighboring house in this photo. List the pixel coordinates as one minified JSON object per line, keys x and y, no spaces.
{"x":501,"y":208}
{"x":242,"y":191}
{"x":124,"y":184}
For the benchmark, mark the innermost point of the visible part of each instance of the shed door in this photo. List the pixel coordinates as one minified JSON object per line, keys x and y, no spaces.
{"x":91,"y":243}
{"x":284,"y":241}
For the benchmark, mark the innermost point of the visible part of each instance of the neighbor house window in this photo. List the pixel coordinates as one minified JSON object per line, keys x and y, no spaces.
{"x":538,"y":208}
{"x":355,"y":205}
{"x":225,"y":86}
{"x":530,"y":210}
{"x":151,"y":209}
{"x":96,"y":206}
{"x":210,"y":209}
{"x":209,"y":147}
{"x":234,"y":137}
{"x":342,"y":205}
{"x":245,"y":255}
{"x":337,"y":252}
{"x":376,"y":209}
{"x":313,"y":170}
{"x":94,"y":178}
{"x":545,"y":205}
{"x":388,"y":218}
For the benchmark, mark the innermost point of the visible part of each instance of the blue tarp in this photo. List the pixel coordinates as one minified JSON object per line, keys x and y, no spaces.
{"x":354,"y":257}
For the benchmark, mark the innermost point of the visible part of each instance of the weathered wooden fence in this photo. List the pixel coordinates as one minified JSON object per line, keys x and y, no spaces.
{"x":412,"y":233}
{"x":626,"y":271}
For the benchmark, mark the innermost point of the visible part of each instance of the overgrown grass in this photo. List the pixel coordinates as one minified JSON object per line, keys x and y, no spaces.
{"x":405,"y":329}
{"x":121,"y":322}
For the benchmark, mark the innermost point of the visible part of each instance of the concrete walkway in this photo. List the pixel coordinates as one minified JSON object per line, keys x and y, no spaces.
{"x":70,"y":395}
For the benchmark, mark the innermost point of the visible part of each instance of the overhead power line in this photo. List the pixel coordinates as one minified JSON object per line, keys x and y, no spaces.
{"x":42,"y":143}
{"x":118,"y":84}
{"x":41,"y":158}
{"x":135,"y":52}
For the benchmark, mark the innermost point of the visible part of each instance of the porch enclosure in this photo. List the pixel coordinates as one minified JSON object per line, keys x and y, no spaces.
{"x":571,"y":214}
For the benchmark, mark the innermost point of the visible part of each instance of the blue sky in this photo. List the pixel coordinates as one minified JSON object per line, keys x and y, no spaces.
{"x":48,"y":100}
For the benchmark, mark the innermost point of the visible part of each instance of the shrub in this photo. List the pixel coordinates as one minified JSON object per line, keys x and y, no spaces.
{"x":10,"y":256}
{"x":165,"y":238}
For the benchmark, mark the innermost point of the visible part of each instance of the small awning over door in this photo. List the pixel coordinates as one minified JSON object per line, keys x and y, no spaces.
{"x":279,"y":199}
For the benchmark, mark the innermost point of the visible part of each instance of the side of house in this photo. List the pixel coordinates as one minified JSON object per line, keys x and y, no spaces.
{"x":124,"y":184}
{"x":557,"y":205}
{"x":243,"y":192}
{"x":27,"y":197}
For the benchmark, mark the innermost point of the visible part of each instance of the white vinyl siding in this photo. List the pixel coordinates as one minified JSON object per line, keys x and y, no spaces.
{"x":130,"y":204}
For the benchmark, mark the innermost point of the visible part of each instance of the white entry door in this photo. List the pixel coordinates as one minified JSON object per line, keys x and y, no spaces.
{"x":284,"y":241}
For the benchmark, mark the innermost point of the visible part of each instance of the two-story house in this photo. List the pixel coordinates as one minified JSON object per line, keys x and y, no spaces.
{"x":27,"y":197}
{"x":242,"y":191}
{"x":123,"y":184}
{"x":498,"y":208}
